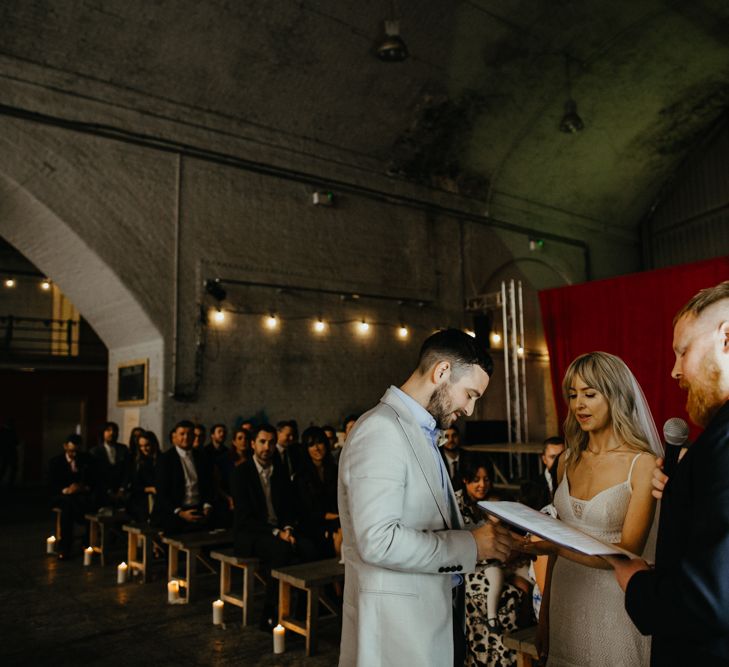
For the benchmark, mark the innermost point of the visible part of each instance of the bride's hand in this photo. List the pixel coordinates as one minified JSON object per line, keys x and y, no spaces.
{"x":535,"y":547}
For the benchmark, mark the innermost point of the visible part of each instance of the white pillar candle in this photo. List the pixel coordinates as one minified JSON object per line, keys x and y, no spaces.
{"x":218,"y":612}
{"x":279,"y":639}
{"x":51,"y":545}
{"x":88,"y":555}
{"x":173,"y":591}
{"x":121,"y":573}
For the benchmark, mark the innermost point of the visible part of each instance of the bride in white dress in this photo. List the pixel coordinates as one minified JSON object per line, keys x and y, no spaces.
{"x":604,"y":490}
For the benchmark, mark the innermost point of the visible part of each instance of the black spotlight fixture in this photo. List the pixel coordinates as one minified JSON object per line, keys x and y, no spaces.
{"x":392,"y":49}
{"x":571,"y":121}
{"x":215,"y":289}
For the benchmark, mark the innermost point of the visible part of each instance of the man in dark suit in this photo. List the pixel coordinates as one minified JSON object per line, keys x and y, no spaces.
{"x":287,"y":452}
{"x":265,"y":515}
{"x":71,"y":478}
{"x":184,"y":485}
{"x":551,"y":450}
{"x":684,"y":601}
{"x":113,"y":467}
{"x":450,"y":450}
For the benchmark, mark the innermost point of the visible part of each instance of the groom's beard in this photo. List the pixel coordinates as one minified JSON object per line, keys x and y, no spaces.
{"x":441,"y":407}
{"x":704,"y":398}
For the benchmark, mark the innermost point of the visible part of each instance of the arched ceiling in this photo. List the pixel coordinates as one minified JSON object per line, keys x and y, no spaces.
{"x":475,"y":108}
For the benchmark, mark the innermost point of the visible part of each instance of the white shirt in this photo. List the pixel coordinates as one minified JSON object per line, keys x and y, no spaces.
{"x":110,"y":453}
{"x":264,"y":474}
{"x":192,"y":491}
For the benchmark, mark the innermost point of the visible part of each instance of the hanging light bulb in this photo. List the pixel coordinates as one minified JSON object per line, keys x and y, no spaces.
{"x":403,"y":332}
{"x":10,"y":282}
{"x":363,"y":327}
{"x":272,"y":321}
{"x":495,"y":338}
{"x":320,"y":326}
{"x":219,"y":316}
{"x":46,"y":284}
{"x":520,"y":351}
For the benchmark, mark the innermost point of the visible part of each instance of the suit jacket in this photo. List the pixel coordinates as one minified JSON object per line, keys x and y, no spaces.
{"x":111,"y":476}
{"x":684,"y":601}
{"x":170,"y":483}
{"x":291,"y":460}
{"x":60,"y":474}
{"x":456,"y":481}
{"x":402,"y":541}
{"x":251,"y":514}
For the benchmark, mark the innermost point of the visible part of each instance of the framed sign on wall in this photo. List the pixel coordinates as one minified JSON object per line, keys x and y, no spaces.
{"x":132,"y":382}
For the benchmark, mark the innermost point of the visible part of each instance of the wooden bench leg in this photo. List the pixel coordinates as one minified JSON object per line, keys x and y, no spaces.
{"x":132,"y":543}
{"x":524,"y":660}
{"x":190,"y":574}
{"x":312,"y":620}
{"x":58,"y":526}
{"x":94,"y":536}
{"x":284,"y":600}
{"x":172,"y":563}
{"x":103,"y":545}
{"x":146,"y":556}
{"x":249,"y":583}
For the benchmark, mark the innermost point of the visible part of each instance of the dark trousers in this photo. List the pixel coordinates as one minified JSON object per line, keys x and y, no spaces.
{"x":173,"y":525}
{"x":73,"y":507}
{"x":459,"y":636}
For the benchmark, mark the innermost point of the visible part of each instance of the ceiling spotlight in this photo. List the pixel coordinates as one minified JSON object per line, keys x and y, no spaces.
{"x":272,"y":321}
{"x":471,"y":333}
{"x":392,"y":48}
{"x":403,"y":331}
{"x":215,"y":289}
{"x":363,"y":327}
{"x":571,"y":121}
{"x":10,"y":282}
{"x":46,"y":284}
{"x":495,"y":338}
{"x":520,"y":351}
{"x":319,"y":326}
{"x":219,"y":316}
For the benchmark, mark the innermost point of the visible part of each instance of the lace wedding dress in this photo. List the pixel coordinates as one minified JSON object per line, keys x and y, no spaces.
{"x":588,"y":624}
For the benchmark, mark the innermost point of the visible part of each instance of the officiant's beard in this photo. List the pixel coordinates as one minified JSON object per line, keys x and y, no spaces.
{"x":704,"y":396}
{"x":441,"y":407}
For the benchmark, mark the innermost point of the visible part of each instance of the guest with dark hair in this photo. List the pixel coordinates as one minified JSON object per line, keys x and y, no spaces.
{"x":142,"y":488}
{"x":495,"y":594}
{"x":71,"y":479}
{"x":316,"y":484}
{"x":198,"y":436}
{"x":551,"y":450}
{"x":287,"y":452}
{"x":332,"y":435}
{"x":184,"y":485}
{"x":450,"y":450}
{"x":112,"y":466}
{"x":133,"y":438}
{"x":265,"y":516}
{"x":238,"y":454}
{"x":348,"y":424}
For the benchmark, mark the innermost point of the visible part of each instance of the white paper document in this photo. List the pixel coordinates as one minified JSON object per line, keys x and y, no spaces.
{"x":554,"y":530}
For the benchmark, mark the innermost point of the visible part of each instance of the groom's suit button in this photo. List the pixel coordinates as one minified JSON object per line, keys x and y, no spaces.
{"x":459,"y":568}
{"x":441,"y":569}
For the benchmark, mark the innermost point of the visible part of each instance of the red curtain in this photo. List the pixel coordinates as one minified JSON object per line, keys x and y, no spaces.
{"x":631,"y":317}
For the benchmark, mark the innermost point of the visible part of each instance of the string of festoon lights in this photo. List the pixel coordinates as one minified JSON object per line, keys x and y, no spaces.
{"x":11,"y":282}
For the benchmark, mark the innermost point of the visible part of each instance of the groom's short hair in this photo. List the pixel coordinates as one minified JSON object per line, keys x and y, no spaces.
{"x":457,"y":347}
{"x":703,"y":299}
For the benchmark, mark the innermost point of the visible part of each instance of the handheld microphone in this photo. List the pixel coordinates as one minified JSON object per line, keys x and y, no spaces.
{"x":675,"y":433}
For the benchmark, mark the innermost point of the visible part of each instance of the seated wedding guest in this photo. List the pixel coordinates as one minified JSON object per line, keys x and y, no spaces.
{"x":133,"y":438}
{"x":287,"y":451}
{"x":495,"y":594}
{"x":71,"y":479}
{"x":348,"y":424}
{"x":112,"y":465}
{"x":551,"y":451}
{"x":265,"y":516}
{"x":451,"y":453}
{"x":198,"y":439}
{"x":332,"y":435}
{"x":316,"y":484}
{"x":247,"y":425}
{"x":184,"y":485}
{"x":238,"y":454}
{"x":142,"y":486}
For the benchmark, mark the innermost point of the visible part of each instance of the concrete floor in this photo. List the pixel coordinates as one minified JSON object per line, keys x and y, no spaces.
{"x":59,"y":613}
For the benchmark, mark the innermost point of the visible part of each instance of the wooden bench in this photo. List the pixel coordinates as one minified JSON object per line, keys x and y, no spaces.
{"x":312,"y":578}
{"x":140,"y":537}
{"x":57,"y":511}
{"x":100,"y":527}
{"x":192,"y":545}
{"x":524,"y":643}
{"x":248,"y":566}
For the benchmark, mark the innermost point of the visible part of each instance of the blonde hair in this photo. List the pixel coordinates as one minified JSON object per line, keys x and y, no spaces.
{"x":610,"y":376}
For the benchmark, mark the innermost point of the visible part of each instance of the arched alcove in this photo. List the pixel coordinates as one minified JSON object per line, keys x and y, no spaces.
{"x":98,"y":292}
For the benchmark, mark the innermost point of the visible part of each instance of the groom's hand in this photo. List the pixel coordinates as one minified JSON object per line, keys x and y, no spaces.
{"x":659,"y":480}
{"x":625,"y":568}
{"x":492,"y":541}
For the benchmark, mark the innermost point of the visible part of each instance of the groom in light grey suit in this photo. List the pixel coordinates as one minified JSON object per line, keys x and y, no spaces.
{"x":404,"y":544}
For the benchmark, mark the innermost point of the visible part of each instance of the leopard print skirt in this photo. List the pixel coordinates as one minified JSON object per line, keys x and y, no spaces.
{"x":485,"y":648}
